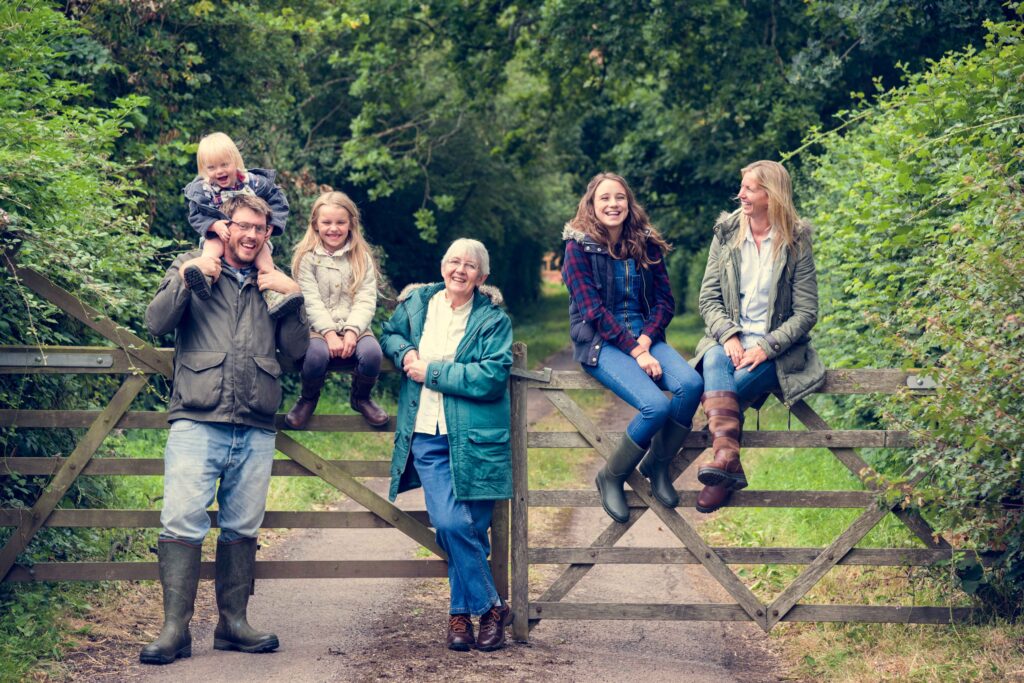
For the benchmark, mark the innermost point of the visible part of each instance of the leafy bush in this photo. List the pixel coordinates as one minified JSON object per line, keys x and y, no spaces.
{"x":920,"y":225}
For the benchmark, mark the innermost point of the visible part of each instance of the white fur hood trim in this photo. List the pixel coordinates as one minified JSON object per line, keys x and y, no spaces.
{"x":490,"y":291}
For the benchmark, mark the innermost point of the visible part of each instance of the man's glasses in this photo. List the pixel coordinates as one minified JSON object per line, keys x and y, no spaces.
{"x":468,"y":265}
{"x":246,"y":227}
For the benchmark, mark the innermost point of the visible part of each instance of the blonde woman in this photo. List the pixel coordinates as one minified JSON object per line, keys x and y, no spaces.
{"x":335,"y":269}
{"x":759,"y":301}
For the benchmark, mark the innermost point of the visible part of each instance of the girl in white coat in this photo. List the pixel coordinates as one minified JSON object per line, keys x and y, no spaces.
{"x":334,"y":267}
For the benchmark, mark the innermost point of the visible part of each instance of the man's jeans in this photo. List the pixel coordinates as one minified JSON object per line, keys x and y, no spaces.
{"x":721,"y":375}
{"x":460,"y":526}
{"x":199,"y":453}
{"x":620,"y":372}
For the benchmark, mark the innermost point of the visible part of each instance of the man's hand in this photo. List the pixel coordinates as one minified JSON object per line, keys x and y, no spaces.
{"x":348,"y":344}
{"x":278,"y":282}
{"x":207,"y":264}
{"x":734,"y":349}
{"x":752,"y":357}
{"x":220,"y":228}
{"x":334,"y":344}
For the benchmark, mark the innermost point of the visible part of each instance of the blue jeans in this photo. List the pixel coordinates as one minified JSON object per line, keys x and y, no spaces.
{"x":460,"y":526}
{"x":196,"y":456}
{"x":721,"y":375}
{"x":620,"y":372}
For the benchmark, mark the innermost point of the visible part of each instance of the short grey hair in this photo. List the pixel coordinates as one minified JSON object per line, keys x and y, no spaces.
{"x":472,"y":248}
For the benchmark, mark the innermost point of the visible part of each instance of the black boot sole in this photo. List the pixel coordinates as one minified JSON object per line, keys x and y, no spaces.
{"x":183,"y":653}
{"x":196,"y":281}
{"x":269,"y":646}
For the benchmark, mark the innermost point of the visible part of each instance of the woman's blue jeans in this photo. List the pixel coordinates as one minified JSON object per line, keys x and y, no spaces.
{"x":620,"y":372}
{"x":721,"y":375}
{"x":460,"y":526}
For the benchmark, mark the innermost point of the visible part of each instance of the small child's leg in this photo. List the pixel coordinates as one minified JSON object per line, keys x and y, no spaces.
{"x":277,"y":304}
{"x":197,"y":281}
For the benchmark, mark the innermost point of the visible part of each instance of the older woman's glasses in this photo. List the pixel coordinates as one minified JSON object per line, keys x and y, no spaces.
{"x":468,"y":265}
{"x":246,"y":227}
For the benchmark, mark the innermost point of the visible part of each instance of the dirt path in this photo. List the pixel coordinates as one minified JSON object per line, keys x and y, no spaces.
{"x":388,"y":629}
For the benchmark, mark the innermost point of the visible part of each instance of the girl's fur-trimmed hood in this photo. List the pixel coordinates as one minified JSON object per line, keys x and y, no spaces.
{"x":490,"y":291}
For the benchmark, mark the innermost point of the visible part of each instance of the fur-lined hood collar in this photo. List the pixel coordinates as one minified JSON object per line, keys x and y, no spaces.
{"x":490,"y":291}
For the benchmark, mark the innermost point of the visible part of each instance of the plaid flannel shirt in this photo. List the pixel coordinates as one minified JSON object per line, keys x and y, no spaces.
{"x":580,"y":279}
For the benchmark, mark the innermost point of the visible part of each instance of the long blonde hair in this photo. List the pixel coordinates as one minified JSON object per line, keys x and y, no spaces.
{"x":782,"y":216}
{"x":359,"y":254}
{"x":637,"y":230}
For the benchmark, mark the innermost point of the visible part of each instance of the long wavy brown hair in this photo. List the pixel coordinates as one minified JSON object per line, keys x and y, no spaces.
{"x":637,"y":230}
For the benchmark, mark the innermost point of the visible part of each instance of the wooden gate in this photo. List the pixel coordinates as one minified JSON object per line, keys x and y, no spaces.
{"x":818,"y":561}
{"x":137,"y":361}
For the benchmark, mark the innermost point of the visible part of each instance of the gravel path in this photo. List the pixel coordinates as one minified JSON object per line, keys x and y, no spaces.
{"x":393,"y":629}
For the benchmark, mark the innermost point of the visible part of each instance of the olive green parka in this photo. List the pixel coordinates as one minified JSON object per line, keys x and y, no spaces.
{"x":792,"y":307}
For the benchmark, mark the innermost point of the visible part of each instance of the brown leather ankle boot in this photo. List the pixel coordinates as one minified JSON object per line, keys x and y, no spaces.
{"x":362,"y":403}
{"x":723,"y":412}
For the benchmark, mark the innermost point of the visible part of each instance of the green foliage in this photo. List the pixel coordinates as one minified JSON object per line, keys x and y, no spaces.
{"x":920,"y":218}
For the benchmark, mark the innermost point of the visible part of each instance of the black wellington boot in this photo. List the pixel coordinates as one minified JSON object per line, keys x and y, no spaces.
{"x":179,"y":576}
{"x":235,"y":564}
{"x":614,"y":473}
{"x":654,"y":466}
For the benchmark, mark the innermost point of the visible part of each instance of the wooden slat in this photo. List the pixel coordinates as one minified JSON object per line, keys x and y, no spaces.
{"x":154,"y":467}
{"x":269,"y":569}
{"x":122,"y":363}
{"x":61,"y":482}
{"x":51,"y":419}
{"x":145,"y":357}
{"x":520,"y":507}
{"x":615,"y":611}
{"x":345,"y":483}
{"x":882,"y":614}
{"x":500,"y":548}
{"x":865,"y":381}
{"x":851,"y":438}
{"x":150,"y":519}
{"x":860,"y":469}
{"x":670,"y":518}
{"x":688,"y":498}
{"x":867,"y":557}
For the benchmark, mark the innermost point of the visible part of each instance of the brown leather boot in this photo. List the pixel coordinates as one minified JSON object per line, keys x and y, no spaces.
{"x":492,"y":628}
{"x":362,"y":403}
{"x":723,"y":412}
{"x":303,"y":409}
{"x":711,"y":498}
{"x":460,"y":633}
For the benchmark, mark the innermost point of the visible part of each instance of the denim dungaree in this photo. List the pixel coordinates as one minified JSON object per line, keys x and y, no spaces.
{"x":621,"y":373}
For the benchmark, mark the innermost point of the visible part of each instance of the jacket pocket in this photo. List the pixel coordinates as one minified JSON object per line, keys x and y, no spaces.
{"x":490,"y":444}
{"x":265,"y":396}
{"x":199,"y":378}
{"x":794,"y":359}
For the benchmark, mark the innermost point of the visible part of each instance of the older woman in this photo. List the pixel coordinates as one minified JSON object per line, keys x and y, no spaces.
{"x":454,"y":345}
{"x":759,"y":301}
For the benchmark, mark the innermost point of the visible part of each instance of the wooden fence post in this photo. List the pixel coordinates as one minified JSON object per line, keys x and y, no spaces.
{"x":520,"y":502}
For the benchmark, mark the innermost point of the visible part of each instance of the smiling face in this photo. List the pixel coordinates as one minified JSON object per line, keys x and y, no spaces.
{"x":462,"y":275}
{"x":333,"y":224}
{"x":221,"y":171}
{"x":753,"y":198}
{"x":611,"y":204}
{"x":245,"y":243}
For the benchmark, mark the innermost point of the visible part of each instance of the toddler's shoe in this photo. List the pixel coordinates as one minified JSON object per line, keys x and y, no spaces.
{"x":198,"y":282}
{"x":280,"y":305}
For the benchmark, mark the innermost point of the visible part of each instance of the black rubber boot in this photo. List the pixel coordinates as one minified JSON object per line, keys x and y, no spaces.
{"x":614,"y":473}
{"x":179,"y":576}
{"x":235,"y":564}
{"x":654,"y":466}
